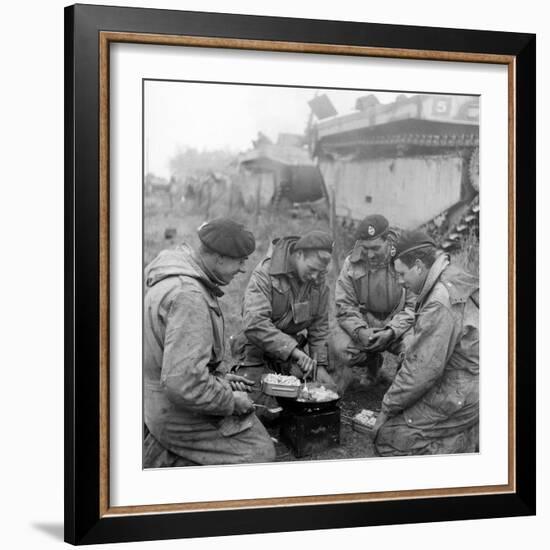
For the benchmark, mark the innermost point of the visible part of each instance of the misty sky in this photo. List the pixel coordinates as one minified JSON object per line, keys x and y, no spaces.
{"x":223,"y":116}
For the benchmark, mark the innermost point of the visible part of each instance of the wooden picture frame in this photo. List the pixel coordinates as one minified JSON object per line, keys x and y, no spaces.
{"x":89,"y":33}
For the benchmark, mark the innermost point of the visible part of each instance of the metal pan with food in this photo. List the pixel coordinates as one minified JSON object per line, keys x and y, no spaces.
{"x":313,"y":396}
{"x":280,"y":385}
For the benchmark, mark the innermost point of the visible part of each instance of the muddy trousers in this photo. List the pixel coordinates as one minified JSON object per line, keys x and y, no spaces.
{"x":157,"y":456}
{"x":397,"y":438}
{"x":206,"y":443}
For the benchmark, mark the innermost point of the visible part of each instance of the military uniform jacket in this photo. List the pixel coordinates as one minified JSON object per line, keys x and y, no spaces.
{"x":438,"y":383}
{"x":371,"y":296}
{"x":277,"y":306}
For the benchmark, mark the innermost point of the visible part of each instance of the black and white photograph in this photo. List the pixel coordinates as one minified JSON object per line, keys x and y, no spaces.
{"x":310,"y":273}
{"x":274,"y":257}
{"x":255,"y":254}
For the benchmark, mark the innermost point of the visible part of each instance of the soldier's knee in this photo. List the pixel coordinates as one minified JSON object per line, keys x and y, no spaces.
{"x":265,"y":452}
{"x":260,"y":444}
{"x":270,"y":452}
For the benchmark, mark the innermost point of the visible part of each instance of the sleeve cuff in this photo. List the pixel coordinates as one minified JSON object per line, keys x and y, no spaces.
{"x":286,"y":349}
{"x":228,"y":410}
{"x":389,"y":412}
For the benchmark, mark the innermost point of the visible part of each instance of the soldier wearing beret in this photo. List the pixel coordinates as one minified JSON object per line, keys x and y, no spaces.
{"x":373,"y":310}
{"x":194,"y":413}
{"x":432,"y":406}
{"x":285,"y":313}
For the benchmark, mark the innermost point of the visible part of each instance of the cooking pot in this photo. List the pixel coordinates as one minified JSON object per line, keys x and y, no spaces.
{"x":294,"y":404}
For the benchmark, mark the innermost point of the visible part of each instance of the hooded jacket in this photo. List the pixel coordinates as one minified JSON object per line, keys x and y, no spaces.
{"x":183,"y":345}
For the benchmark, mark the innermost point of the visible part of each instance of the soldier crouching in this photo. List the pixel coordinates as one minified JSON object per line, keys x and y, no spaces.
{"x":285,"y":315}
{"x":373,"y":310}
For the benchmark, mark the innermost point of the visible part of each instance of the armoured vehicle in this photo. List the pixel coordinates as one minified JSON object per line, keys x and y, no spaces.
{"x":416,"y":160}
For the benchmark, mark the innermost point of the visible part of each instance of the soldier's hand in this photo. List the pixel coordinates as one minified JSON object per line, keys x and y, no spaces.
{"x":380,"y":339}
{"x":243,"y":403}
{"x":365,"y":337}
{"x":239,"y":383}
{"x":304,"y":361}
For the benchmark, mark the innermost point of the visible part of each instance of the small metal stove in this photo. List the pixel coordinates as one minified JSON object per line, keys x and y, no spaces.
{"x":310,"y":430}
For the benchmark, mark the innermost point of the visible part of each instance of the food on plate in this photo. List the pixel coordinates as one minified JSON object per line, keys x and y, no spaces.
{"x":281,"y":379}
{"x":366,"y":418}
{"x":317,"y":394}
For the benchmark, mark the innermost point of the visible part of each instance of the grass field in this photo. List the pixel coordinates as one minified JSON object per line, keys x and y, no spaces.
{"x":186,"y":217}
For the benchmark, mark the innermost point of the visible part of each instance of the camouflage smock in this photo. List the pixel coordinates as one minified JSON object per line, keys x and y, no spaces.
{"x":433,"y":400}
{"x":188,"y":404}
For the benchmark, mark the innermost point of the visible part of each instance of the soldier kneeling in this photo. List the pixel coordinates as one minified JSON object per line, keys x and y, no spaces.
{"x":285,"y":314}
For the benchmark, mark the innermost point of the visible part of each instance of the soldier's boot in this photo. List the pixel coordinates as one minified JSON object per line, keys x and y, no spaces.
{"x":373,"y":375}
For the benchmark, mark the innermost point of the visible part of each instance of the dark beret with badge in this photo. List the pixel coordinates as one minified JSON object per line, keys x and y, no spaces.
{"x":227,"y":237}
{"x":409,"y":241}
{"x":315,"y":240}
{"x":372,"y":227}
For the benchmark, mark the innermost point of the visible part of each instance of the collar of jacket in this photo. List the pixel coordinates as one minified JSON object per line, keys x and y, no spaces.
{"x":441,"y":262}
{"x":210,"y":280}
{"x":280,"y":251}
{"x":459,"y":284}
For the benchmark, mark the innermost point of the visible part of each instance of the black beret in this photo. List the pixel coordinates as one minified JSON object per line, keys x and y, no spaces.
{"x":227,"y":237}
{"x":412,"y":240}
{"x":372,"y":227}
{"x":315,"y":240}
